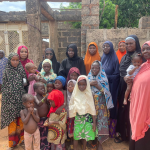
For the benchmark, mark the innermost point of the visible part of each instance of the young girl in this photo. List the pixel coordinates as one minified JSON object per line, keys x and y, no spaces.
{"x":50,"y":86}
{"x":55,"y":122}
{"x":73,"y":74}
{"x":133,"y":71}
{"x":59,"y":83}
{"x":102,"y":98}
{"x":12,"y":91}
{"x":31,"y":69}
{"x":82,"y":107}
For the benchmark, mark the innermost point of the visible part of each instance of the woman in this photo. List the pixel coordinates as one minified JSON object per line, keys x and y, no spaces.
{"x":139,"y":105}
{"x":3,"y":62}
{"x":92,"y":54}
{"x":123,"y":124}
{"x":110,"y":64}
{"x":23,"y":56}
{"x":49,"y":54}
{"x":121,"y":51}
{"x":72,"y":61}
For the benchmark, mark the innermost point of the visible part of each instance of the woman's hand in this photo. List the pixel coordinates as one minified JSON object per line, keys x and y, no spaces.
{"x":59,"y":110}
{"x":128,"y":79}
{"x":93,"y":83}
{"x":94,"y":127}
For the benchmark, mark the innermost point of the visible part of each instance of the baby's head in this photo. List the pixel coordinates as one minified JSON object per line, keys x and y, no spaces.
{"x":31,"y":68}
{"x":39,"y":88}
{"x":50,"y":85}
{"x":82,"y":84}
{"x":28,"y":100}
{"x":74,"y":73}
{"x":71,"y":85}
{"x":137,"y":59}
{"x":95,"y":68}
{"x":60,"y":82}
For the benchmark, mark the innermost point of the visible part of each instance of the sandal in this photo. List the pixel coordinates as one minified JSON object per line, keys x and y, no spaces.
{"x":118,"y":139}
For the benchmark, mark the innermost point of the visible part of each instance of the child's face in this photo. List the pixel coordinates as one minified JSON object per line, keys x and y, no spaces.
{"x":23,"y":53}
{"x":52,"y":103}
{"x":95,"y":68}
{"x":1,"y":55}
{"x":15,"y":61}
{"x":82,"y":85}
{"x":29,"y":103}
{"x":47,"y":67}
{"x":74,"y":76}
{"x":40,"y":90}
{"x":92,"y":50}
{"x":58,"y":85}
{"x":50,"y":87}
{"x":32,"y":69}
{"x":70,"y":87}
{"x":136,"y":61}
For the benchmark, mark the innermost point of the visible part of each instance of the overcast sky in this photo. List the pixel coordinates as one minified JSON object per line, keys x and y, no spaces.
{"x":20,"y":6}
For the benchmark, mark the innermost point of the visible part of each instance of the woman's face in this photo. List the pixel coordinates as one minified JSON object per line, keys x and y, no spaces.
{"x":1,"y":55}
{"x":23,"y":53}
{"x":106,"y":48}
{"x":130,"y":45}
{"x":46,"y":67}
{"x":92,"y":50}
{"x":70,"y":52}
{"x":49,"y":54}
{"x":122,"y":47}
{"x":146,"y":51}
{"x":14,"y":61}
{"x":95,"y":69}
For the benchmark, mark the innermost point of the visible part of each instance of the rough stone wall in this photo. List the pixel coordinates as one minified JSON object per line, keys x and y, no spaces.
{"x":66,"y":37}
{"x":144,"y":23}
{"x":115,"y":36}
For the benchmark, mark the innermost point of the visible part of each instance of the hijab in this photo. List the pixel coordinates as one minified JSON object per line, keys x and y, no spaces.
{"x":126,"y":59}
{"x":61,"y":79}
{"x":102,"y":80}
{"x":3,"y":62}
{"x":81,"y":102}
{"x":58,"y":98}
{"x":119,"y":53}
{"x":74,"y":47}
{"x":73,"y":69}
{"x":89,"y":59}
{"x":24,"y":62}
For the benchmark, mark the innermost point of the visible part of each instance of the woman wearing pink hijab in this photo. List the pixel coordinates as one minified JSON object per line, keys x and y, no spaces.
{"x":140,"y":105}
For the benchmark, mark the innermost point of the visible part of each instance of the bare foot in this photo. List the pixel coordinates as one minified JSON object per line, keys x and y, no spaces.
{"x":125,"y":102}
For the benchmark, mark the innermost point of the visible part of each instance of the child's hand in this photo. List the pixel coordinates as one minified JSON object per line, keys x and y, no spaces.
{"x":58,"y":111}
{"x":42,"y":80}
{"x":30,"y":110}
{"x":50,"y":123}
{"x":94,"y":127}
{"x":31,"y":78}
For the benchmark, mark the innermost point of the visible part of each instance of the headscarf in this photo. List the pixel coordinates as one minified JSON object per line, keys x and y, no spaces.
{"x":12,"y":90}
{"x":119,"y":53}
{"x":69,"y":96}
{"x":51,"y":70}
{"x":102,"y":80}
{"x":61,"y":79}
{"x":3,"y":62}
{"x":58,"y":98}
{"x":73,"y":69}
{"x":89,"y":59}
{"x":126,"y":59}
{"x":26,"y":60}
{"x":81,"y":102}
{"x":74,"y":47}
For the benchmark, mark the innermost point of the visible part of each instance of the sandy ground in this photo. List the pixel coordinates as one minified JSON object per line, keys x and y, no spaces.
{"x":108,"y":145}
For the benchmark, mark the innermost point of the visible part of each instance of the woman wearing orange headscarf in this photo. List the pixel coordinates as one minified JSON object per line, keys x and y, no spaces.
{"x":121,"y":50}
{"x":92,"y":54}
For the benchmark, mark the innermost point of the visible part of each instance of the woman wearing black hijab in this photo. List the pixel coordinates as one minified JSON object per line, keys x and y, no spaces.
{"x":49,"y":54}
{"x":72,"y":61}
{"x":123,"y":123}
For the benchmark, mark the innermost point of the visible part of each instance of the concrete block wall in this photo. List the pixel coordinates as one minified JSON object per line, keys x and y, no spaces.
{"x":66,"y":37}
{"x":144,"y":23}
{"x":115,"y":36}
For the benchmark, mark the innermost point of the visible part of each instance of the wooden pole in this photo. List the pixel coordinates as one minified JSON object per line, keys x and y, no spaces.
{"x":116,"y":16}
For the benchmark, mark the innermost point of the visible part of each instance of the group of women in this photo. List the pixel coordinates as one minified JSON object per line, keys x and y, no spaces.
{"x":115,"y":65}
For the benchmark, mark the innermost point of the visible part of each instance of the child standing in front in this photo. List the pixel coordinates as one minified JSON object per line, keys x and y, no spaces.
{"x":30,"y":118}
{"x":56,"y":122}
{"x":82,"y":107}
{"x":42,"y":106}
{"x":133,"y":71}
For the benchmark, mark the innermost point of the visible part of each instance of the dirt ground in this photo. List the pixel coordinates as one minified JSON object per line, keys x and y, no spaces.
{"x":108,"y":145}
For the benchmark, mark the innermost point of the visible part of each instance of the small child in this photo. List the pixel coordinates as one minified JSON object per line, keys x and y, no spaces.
{"x":82,"y":107}
{"x":59,"y":83}
{"x":56,"y":122}
{"x":30,"y":118}
{"x":31,"y":69}
{"x":42,"y":106}
{"x":50,"y":86}
{"x":133,"y":71}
